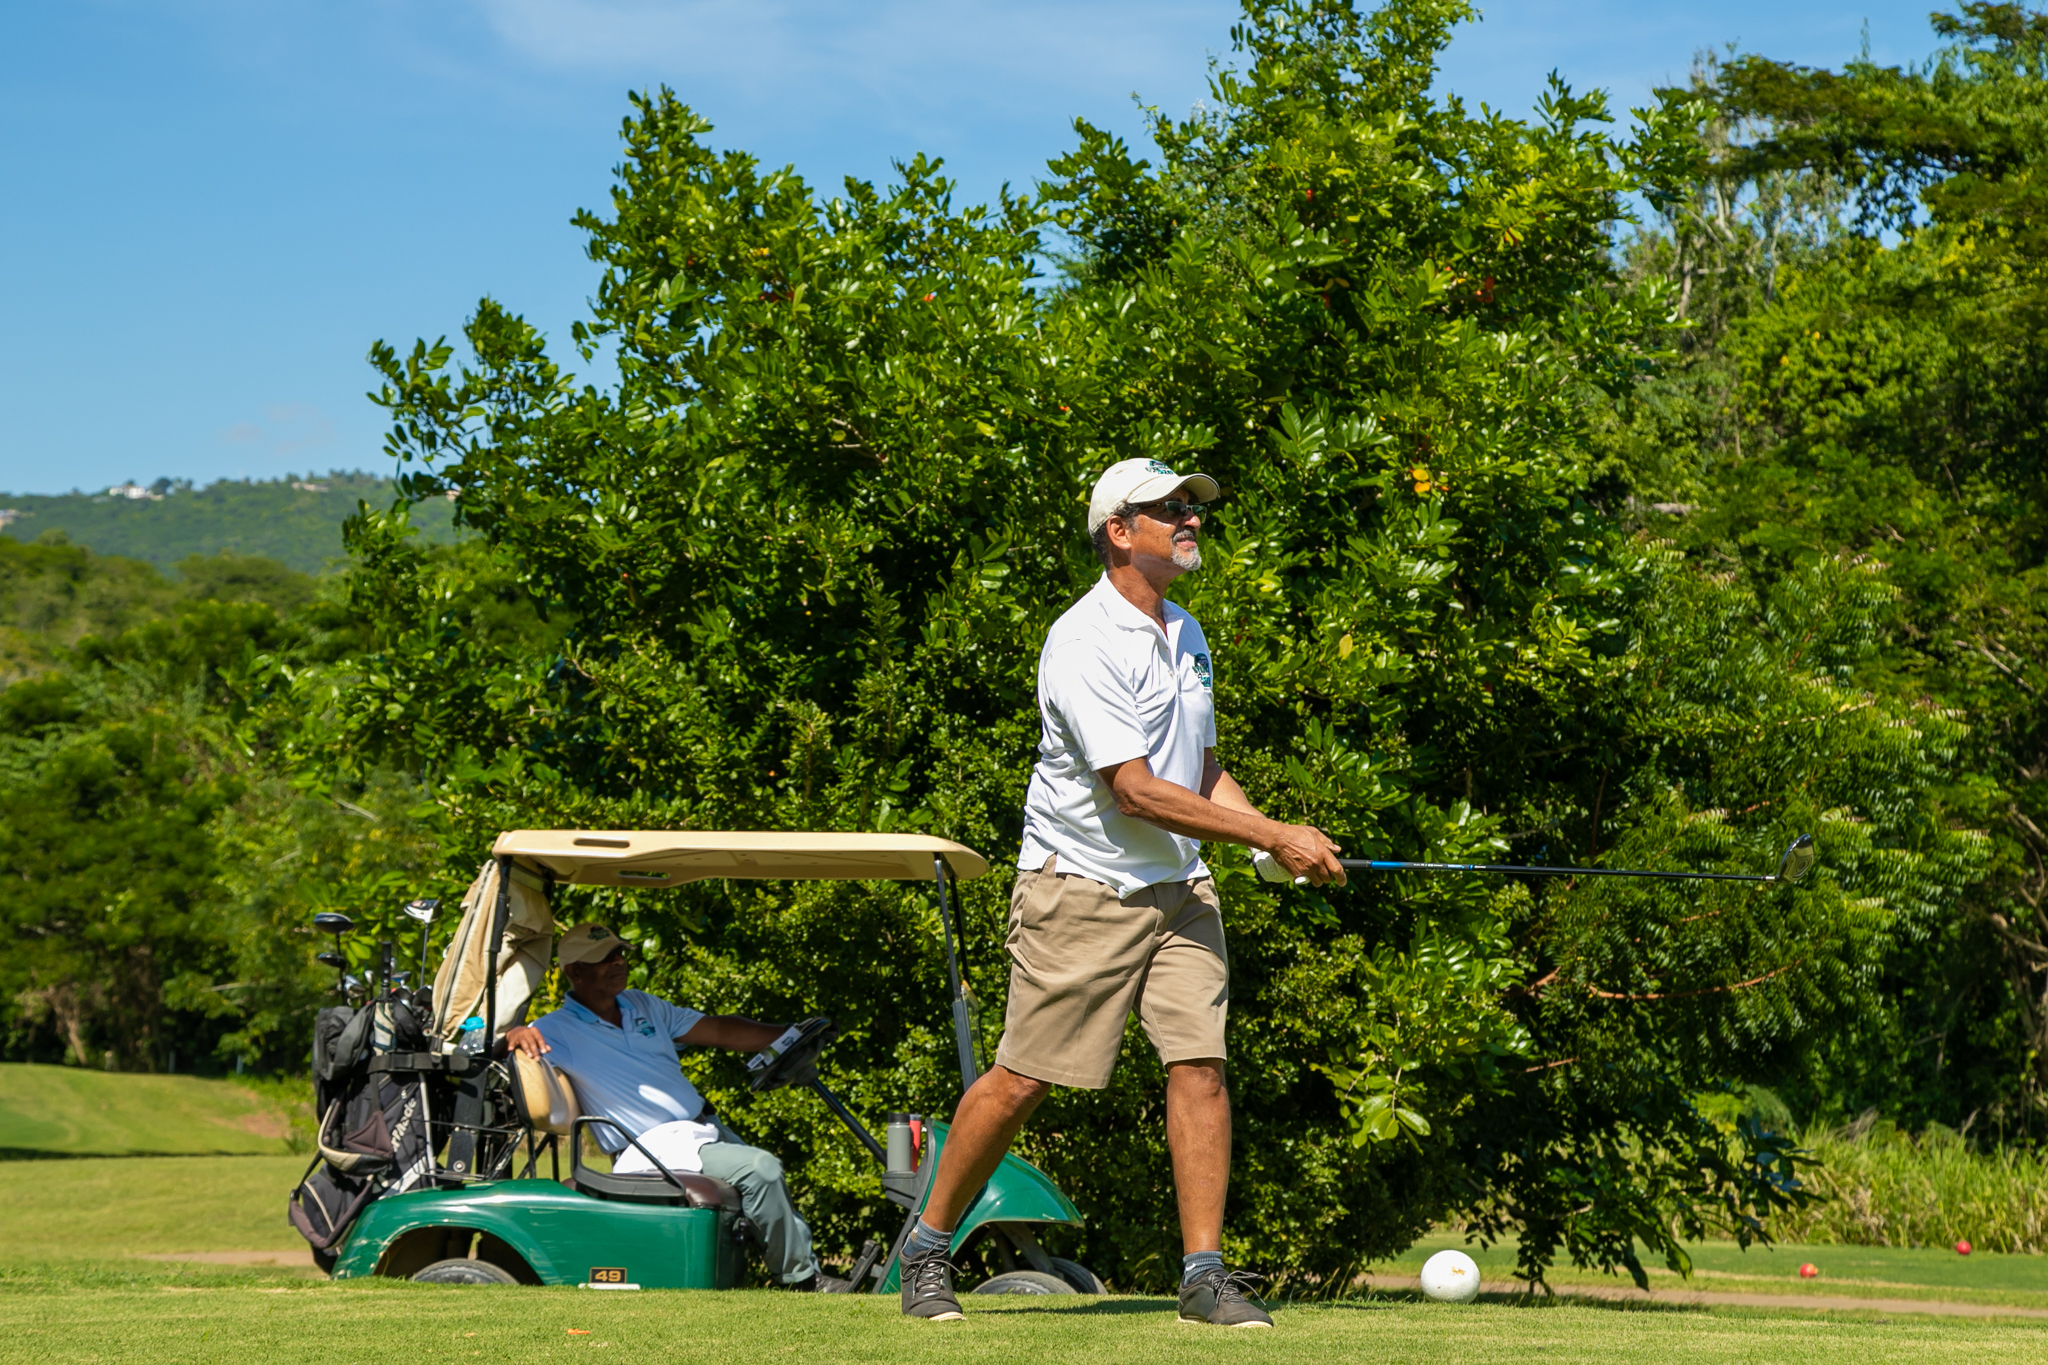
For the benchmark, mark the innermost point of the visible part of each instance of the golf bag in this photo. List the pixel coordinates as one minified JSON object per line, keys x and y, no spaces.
{"x":373,"y":1138}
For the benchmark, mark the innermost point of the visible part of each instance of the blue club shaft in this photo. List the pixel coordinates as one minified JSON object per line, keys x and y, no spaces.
{"x":1374,"y":865}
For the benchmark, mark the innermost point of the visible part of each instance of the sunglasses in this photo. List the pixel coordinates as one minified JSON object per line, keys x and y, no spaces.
{"x":1173,"y":509}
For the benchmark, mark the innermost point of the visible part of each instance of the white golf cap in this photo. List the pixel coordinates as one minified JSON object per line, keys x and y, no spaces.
{"x":588,"y":943}
{"x":1141,"y":481}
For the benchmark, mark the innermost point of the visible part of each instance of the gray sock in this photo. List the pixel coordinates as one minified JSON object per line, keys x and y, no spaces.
{"x":925,"y":1237}
{"x":1195,"y":1262}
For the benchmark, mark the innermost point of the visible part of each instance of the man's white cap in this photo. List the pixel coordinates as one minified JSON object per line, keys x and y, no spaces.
{"x":588,"y":943}
{"x":1140,"y":481}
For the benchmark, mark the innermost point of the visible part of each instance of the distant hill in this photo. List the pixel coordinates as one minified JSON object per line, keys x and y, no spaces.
{"x":296,"y":521}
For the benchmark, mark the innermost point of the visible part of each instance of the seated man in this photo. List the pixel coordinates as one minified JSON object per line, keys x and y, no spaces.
{"x":618,"y":1049}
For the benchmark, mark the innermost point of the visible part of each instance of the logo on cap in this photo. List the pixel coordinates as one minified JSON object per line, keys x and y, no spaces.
{"x":1157,"y":468}
{"x":598,"y":933}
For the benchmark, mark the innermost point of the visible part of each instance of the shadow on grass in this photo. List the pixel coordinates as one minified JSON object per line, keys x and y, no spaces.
{"x":1383,"y":1299}
{"x":1380,"y":1301}
{"x":1117,"y":1306}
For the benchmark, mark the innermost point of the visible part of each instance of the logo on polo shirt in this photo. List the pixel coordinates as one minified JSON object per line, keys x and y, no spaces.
{"x":646,"y":1027}
{"x":1202,"y":670}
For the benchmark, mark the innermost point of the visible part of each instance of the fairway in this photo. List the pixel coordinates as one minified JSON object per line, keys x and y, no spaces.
{"x":1929,"y":1273}
{"x":243,"y":1318}
{"x":74,"y":1286}
{"x":70,"y":1111}
{"x":147,"y":1206}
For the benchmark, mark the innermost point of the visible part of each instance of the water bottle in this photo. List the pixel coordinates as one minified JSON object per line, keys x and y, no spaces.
{"x":471,"y":1039}
{"x":901,"y":1145}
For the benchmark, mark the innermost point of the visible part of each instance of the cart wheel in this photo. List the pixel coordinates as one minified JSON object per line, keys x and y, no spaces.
{"x":1024,"y":1282}
{"x":462,"y":1270}
{"x":1084,"y":1280}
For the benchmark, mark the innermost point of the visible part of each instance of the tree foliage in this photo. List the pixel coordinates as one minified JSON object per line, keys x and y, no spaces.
{"x":810,"y":541}
{"x":793,"y":570}
{"x":163,"y":863}
{"x":1866,"y":385}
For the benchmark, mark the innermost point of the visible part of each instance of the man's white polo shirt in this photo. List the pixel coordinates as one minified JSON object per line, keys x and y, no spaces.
{"x":629,"y":1075}
{"x":1112,"y":687}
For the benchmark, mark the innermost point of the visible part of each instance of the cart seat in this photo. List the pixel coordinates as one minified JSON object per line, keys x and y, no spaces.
{"x":699,"y":1191}
{"x":547,"y":1101}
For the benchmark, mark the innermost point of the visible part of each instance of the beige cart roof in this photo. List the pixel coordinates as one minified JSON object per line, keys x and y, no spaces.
{"x":664,"y":857}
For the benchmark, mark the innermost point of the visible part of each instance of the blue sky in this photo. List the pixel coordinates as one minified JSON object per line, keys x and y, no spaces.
{"x":212,"y":207}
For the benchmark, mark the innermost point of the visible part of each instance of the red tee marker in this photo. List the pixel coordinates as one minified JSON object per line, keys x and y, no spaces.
{"x":1808,"y":1271}
{"x":1963,"y":1248}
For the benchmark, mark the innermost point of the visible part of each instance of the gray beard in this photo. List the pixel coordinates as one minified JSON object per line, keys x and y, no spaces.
{"x":1187,"y":556}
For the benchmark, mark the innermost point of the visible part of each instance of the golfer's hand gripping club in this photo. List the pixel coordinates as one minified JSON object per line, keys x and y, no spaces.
{"x":1220,"y":812}
{"x":1269,"y":869}
{"x":1303,"y":854}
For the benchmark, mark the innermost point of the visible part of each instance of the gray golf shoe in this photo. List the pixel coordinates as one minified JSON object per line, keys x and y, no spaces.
{"x":1217,"y":1296}
{"x":928,"y":1287}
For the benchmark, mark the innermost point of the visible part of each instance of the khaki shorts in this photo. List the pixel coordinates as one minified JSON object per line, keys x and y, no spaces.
{"x":1082,"y":961}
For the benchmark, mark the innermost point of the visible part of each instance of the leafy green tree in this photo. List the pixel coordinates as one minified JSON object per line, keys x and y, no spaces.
{"x":1874,"y":389}
{"x":54,"y":593}
{"x":801,"y":558}
{"x":163,"y":866}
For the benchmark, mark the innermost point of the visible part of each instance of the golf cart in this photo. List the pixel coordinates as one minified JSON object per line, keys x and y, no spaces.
{"x":432,"y":1134}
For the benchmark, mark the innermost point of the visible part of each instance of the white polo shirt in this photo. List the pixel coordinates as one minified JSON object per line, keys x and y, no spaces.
{"x":629,"y":1075}
{"x":1112,"y":687}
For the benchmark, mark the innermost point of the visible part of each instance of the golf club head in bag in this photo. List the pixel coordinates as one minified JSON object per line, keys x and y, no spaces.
{"x":423,"y":911}
{"x":333,"y":922}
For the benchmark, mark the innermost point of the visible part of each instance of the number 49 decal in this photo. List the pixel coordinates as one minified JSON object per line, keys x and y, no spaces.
{"x":608,"y":1274}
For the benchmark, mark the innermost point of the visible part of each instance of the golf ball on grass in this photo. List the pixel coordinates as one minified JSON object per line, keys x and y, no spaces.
{"x":1450,"y":1277}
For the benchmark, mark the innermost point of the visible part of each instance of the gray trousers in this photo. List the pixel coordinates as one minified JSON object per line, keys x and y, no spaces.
{"x":757,"y":1175}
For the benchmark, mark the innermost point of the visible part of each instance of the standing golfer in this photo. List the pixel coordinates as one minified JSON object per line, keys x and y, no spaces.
{"x":1114,"y":911}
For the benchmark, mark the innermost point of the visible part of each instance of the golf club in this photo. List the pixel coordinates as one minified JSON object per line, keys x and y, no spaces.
{"x":1797,"y":862}
{"x":340,"y":965}
{"x":423,"y":911}
{"x":337,"y":924}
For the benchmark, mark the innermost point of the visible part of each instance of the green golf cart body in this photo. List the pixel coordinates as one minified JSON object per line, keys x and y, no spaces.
{"x":543,"y":1232}
{"x":478,"y":1222}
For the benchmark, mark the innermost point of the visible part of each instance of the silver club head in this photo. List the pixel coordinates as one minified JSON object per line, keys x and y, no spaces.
{"x":1798,"y":859}
{"x":423,"y":911}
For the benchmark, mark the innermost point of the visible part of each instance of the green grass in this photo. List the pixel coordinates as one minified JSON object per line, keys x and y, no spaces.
{"x":1722,"y":1267}
{"x":230,"y":1319}
{"x":71,"y":1288}
{"x":1889,"y":1188}
{"x":69,"y":1111}
{"x":111,"y":1208}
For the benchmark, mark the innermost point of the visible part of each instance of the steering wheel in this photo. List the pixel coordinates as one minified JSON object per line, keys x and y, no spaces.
{"x":794,"y":1062}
